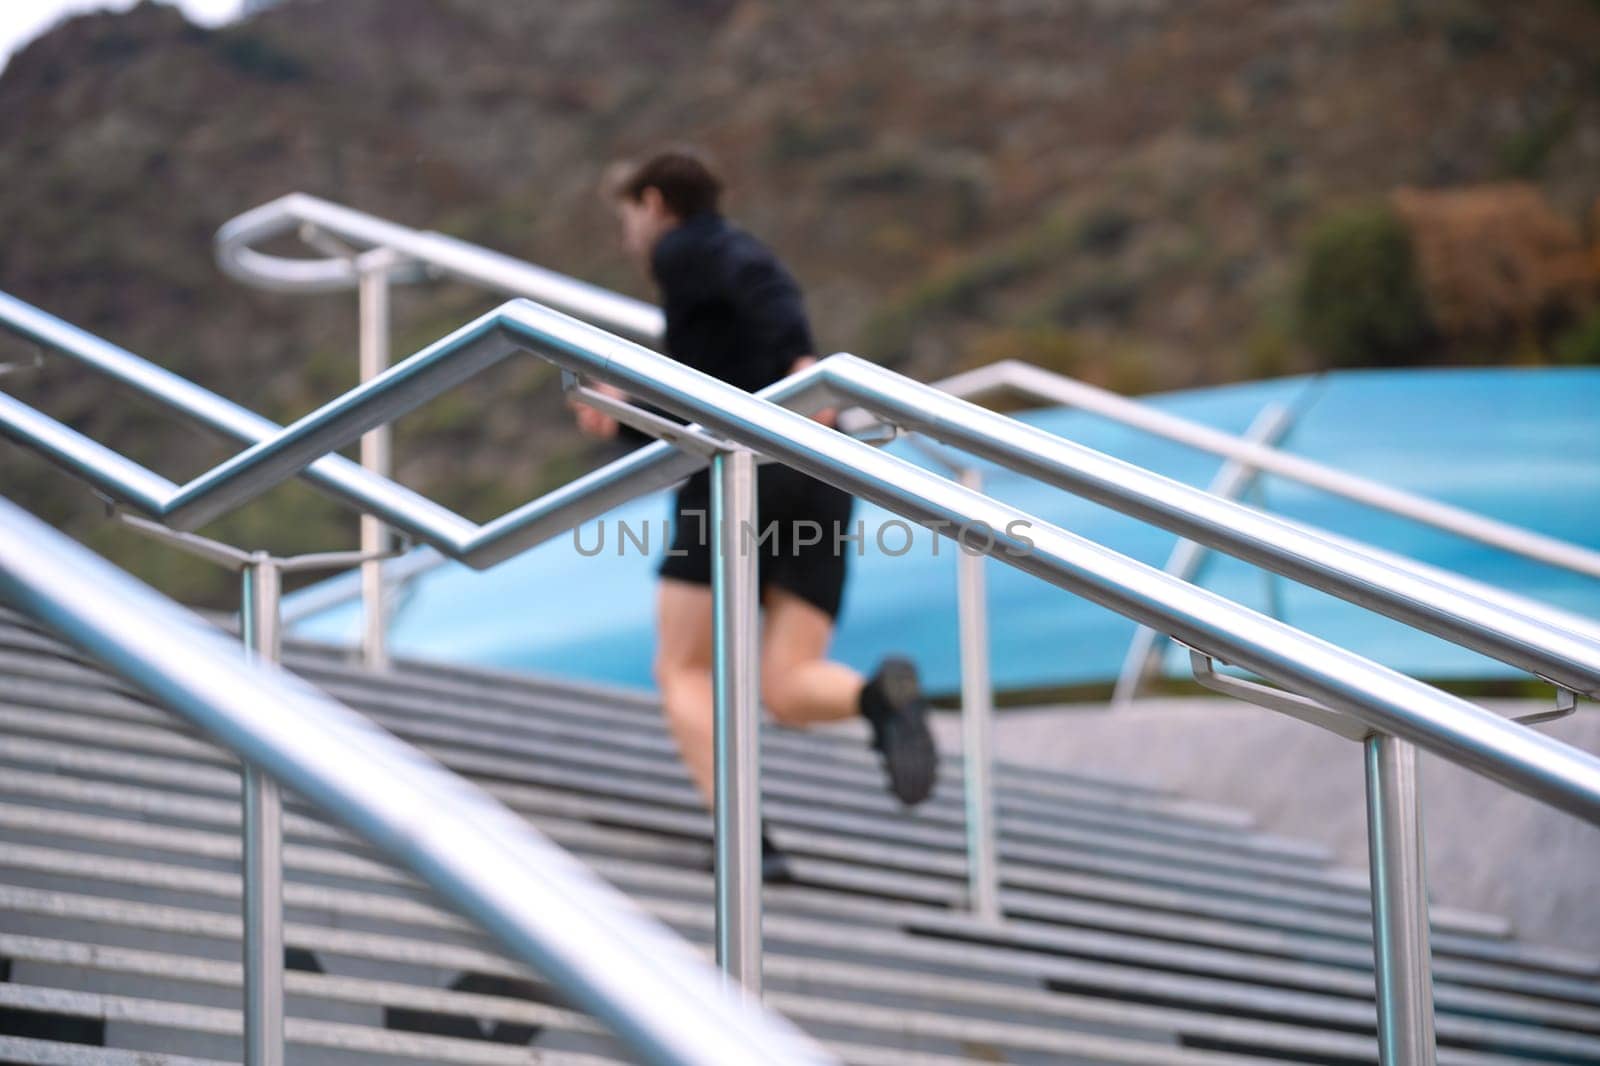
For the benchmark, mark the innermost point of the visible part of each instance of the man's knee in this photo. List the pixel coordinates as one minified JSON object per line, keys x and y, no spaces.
{"x":680,"y":685}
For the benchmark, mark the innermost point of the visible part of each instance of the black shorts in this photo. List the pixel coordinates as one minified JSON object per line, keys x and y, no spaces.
{"x":801,"y":525}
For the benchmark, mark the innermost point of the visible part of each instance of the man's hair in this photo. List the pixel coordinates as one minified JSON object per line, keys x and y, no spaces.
{"x":687,"y":184}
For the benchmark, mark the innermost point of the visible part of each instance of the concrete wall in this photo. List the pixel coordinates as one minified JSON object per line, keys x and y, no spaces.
{"x":1487,"y":848}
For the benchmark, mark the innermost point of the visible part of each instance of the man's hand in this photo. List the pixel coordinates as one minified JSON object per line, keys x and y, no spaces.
{"x":827,"y":415}
{"x":592,"y":422}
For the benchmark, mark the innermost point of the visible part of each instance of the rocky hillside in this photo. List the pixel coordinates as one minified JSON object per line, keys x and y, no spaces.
{"x":1122,"y":189}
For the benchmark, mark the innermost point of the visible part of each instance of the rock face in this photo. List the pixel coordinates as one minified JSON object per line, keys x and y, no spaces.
{"x":1116,"y":188}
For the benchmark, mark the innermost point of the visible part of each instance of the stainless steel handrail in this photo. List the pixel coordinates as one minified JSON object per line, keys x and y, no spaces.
{"x":1036,"y":383}
{"x":369,"y":254}
{"x":1561,"y":651}
{"x":753,"y":422}
{"x":1395,"y":708}
{"x":412,"y":254}
{"x":542,"y":906}
{"x":645,"y":470}
{"x":341,"y":231}
{"x":432,"y":254}
{"x":423,"y":253}
{"x":1458,"y":731}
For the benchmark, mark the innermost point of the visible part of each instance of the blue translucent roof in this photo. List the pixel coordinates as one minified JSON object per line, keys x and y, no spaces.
{"x":1522,"y":445}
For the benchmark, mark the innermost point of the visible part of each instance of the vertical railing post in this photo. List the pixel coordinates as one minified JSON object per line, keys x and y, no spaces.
{"x":262,"y":845}
{"x":977,"y":727}
{"x":736,"y":683}
{"x":373,"y":294}
{"x":1402,"y":958}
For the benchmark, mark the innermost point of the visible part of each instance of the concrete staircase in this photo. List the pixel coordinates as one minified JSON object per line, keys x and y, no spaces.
{"x":1142,"y":928}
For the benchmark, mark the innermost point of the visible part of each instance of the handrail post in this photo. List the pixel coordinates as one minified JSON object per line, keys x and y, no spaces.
{"x":735,"y":666}
{"x":262,"y":845}
{"x":1403,"y":961}
{"x":373,"y":297}
{"x":977,"y":727}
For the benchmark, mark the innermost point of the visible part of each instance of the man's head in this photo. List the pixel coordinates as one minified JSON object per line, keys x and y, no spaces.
{"x":654,"y":196}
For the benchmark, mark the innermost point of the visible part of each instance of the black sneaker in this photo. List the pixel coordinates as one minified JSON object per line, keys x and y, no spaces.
{"x":892,"y":702}
{"x":775,"y":869}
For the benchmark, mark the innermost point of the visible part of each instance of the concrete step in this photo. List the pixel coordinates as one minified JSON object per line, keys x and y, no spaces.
{"x":546,"y":701}
{"x":1141,"y":928}
{"x":455,"y":745}
{"x":914,"y":848}
{"x":162,"y":1024}
{"x":1206,"y":975}
{"x":644,"y":702}
{"x":400,"y":954}
{"x":622,"y":861}
{"x":20,"y":1049}
{"x":810,"y":1010}
{"x":587,"y":748}
{"x":567,"y":823}
{"x":847,"y":763}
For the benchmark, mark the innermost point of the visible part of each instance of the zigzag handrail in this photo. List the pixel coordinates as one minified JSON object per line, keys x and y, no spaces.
{"x":1382,"y":699}
{"x":427,"y":253}
{"x":1561,"y":648}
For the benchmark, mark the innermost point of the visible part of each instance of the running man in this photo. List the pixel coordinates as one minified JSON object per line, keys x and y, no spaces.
{"x":734,"y":312}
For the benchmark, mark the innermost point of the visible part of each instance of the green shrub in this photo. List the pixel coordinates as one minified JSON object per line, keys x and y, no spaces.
{"x":1360,"y":300}
{"x":1581,"y":344}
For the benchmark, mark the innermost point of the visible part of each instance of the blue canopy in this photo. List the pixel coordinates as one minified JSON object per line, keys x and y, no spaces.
{"x":1522,"y":445}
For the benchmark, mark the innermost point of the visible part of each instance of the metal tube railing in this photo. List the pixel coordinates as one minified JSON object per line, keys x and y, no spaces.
{"x":373,"y":271}
{"x":320,"y":223}
{"x":262,"y":847}
{"x":536,"y":901}
{"x":1494,"y":626}
{"x":1401,"y":955}
{"x":977,"y":729}
{"x":1385,"y":702}
{"x":647,"y":469}
{"x":1036,"y":383}
{"x":735,"y":667}
{"x":1564,"y":654}
{"x":1568,"y":657}
{"x":426,"y":254}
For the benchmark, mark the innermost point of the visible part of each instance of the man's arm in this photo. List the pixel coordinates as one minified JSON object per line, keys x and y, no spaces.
{"x":593,"y":422}
{"x":828,"y":416}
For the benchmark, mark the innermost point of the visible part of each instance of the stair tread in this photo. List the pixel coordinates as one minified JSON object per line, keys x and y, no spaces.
{"x":1142,"y":927}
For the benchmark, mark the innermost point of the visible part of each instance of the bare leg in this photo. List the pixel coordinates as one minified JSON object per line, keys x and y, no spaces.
{"x":799,"y":685}
{"x":683,"y":675}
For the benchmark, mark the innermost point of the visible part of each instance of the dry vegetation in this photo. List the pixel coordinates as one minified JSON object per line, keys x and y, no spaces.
{"x":1123,"y":189}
